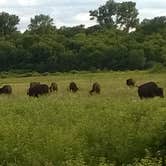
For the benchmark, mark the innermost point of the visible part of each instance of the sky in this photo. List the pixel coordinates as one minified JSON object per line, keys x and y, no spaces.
{"x":72,"y":12}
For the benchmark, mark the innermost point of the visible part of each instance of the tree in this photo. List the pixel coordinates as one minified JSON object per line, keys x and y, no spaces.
{"x":7,"y":52}
{"x":71,"y":31}
{"x":104,"y":14}
{"x":127,"y":16}
{"x":149,"y":26}
{"x":136,"y":59}
{"x":28,"y":40}
{"x":41,"y":24}
{"x":122,"y":15}
{"x":8,"y":23}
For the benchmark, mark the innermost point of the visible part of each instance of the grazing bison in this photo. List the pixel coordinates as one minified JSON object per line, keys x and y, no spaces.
{"x":53,"y":87}
{"x":32,"y":84}
{"x":73,"y":87}
{"x":149,"y":90}
{"x":38,"y":90}
{"x":6,"y":89}
{"x":95,"y":88}
{"x":130,"y":82}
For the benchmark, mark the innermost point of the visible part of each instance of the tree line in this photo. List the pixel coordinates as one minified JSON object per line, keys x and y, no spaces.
{"x":118,"y":41}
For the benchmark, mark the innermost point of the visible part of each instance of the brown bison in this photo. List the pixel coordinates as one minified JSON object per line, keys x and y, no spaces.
{"x":37,"y":90}
{"x":73,"y":87}
{"x":149,"y":90}
{"x":6,"y":89}
{"x":95,"y":88}
{"x":53,"y":87}
{"x":32,"y":84}
{"x":130,"y":82}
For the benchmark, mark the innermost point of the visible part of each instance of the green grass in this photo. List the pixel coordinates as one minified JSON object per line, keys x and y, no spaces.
{"x":64,"y":129}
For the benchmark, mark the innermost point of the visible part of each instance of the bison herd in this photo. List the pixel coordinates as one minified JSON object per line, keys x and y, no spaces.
{"x":146,"y":90}
{"x":37,"y":89}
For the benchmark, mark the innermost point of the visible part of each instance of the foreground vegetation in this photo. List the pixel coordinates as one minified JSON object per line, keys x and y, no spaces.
{"x":66,"y":129}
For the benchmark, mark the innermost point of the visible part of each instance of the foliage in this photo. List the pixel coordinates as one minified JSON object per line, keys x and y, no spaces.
{"x":149,"y":26}
{"x":109,"y":45}
{"x":41,"y":24}
{"x":8,"y":23}
{"x":157,"y":68}
{"x":105,"y":13}
{"x":122,"y":15}
{"x":111,"y":129}
{"x":127,"y":16}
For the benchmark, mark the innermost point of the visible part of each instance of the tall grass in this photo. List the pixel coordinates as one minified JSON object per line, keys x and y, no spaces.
{"x":66,"y":129}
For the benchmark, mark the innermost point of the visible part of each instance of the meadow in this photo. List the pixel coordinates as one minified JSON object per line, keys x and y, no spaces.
{"x":66,"y":129}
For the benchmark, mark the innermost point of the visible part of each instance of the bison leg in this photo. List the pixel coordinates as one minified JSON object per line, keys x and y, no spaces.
{"x":91,"y":92}
{"x":36,"y":95}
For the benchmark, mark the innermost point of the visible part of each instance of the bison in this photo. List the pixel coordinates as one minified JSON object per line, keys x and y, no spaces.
{"x":53,"y":87}
{"x":6,"y":89}
{"x":73,"y":87}
{"x":32,"y":84}
{"x":130,"y":82}
{"x":37,"y":90}
{"x":95,"y":88}
{"x":150,"y":90}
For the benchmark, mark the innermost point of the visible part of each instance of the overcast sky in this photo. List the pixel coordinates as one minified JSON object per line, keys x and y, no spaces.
{"x":72,"y":12}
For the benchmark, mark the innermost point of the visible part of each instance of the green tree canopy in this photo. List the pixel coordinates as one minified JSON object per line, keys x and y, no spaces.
{"x":8,"y":23}
{"x":122,"y":15}
{"x":127,"y":15}
{"x":41,"y":24}
{"x":104,"y":14}
{"x":156,"y":24}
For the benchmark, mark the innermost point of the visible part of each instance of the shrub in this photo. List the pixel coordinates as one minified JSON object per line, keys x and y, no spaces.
{"x":45,"y":74}
{"x":157,"y":68}
{"x":74,"y":71}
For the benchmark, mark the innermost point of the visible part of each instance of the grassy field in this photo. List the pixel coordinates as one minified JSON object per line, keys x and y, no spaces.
{"x":65,"y":129}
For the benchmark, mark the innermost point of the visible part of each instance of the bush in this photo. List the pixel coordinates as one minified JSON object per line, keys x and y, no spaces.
{"x":3,"y":75}
{"x":148,"y":161}
{"x":157,"y":68}
{"x":45,"y":74}
{"x":26,"y":75}
{"x":74,"y":71}
{"x":35,"y":74}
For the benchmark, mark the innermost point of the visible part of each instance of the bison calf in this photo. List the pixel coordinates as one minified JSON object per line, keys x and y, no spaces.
{"x":95,"y":88}
{"x":38,"y":90}
{"x":53,"y":87}
{"x":73,"y":87}
{"x":6,"y":89}
{"x":130,"y":82}
{"x":149,"y":90}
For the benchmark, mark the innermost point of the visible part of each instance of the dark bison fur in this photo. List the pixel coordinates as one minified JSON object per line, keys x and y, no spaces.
{"x":53,"y":87}
{"x":38,"y":90}
{"x":149,"y":90}
{"x":73,"y":87}
{"x":32,"y":84}
{"x":130,"y":82}
{"x":6,"y":89}
{"x":95,"y":88}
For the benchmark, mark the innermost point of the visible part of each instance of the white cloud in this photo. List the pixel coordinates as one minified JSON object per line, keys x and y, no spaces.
{"x":27,"y":2}
{"x":150,"y":13}
{"x":83,"y":18}
{"x":3,"y":2}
